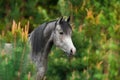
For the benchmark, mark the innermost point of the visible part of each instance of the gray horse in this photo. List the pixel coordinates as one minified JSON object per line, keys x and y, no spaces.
{"x":58,"y":33}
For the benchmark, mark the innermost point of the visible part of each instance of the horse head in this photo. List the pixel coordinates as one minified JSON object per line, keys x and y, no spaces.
{"x":62,"y":36}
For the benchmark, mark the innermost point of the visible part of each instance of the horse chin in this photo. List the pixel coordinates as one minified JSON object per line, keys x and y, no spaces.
{"x":68,"y":54}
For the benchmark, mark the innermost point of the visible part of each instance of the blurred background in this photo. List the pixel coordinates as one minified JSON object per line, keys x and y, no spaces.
{"x":96,"y":35}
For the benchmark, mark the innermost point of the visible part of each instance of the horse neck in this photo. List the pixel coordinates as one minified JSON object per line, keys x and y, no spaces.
{"x":49,"y":28}
{"x":48,"y":36}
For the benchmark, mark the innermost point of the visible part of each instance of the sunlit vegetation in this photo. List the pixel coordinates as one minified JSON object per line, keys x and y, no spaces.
{"x":96,"y":35}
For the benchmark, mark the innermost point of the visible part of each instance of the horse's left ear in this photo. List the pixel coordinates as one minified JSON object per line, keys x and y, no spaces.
{"x":68,"y":19}
{"x":60,"y":20}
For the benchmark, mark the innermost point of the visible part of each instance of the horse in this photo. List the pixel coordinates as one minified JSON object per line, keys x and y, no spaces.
{"x":42,"y":38}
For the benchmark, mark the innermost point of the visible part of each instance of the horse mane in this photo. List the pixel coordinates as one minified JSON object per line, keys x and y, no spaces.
{"x":37,"y":39}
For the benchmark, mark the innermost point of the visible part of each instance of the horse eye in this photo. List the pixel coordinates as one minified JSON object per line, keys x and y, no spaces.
{"x":61,"y":33}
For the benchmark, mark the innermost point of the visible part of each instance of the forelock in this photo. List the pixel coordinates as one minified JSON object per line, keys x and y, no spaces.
{"x":65,"y":26}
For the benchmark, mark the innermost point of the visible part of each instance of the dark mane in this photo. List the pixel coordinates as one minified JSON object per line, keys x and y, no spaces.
{"x":37,"y":39}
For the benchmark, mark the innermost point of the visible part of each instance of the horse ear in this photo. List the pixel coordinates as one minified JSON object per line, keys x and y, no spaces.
{"x":68,"y":19}
{"x":60,"y":20}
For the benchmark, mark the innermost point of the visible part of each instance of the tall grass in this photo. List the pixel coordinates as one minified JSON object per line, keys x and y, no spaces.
{"x":15,"y":63}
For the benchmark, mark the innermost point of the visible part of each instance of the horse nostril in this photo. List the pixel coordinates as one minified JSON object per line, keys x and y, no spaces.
{"x":71,"y":52}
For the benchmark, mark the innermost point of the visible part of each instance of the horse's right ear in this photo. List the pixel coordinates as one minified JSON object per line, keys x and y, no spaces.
{"x":68,"y":19}
{"x":60,"y":20}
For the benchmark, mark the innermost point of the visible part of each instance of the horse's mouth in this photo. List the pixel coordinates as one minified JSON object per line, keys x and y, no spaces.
{"x":69,"y":54}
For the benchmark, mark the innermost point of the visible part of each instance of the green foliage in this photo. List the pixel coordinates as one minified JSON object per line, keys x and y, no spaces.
{"x":15,"y":65}
{"x":96,"y":36}
{"x":22,"y":10}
